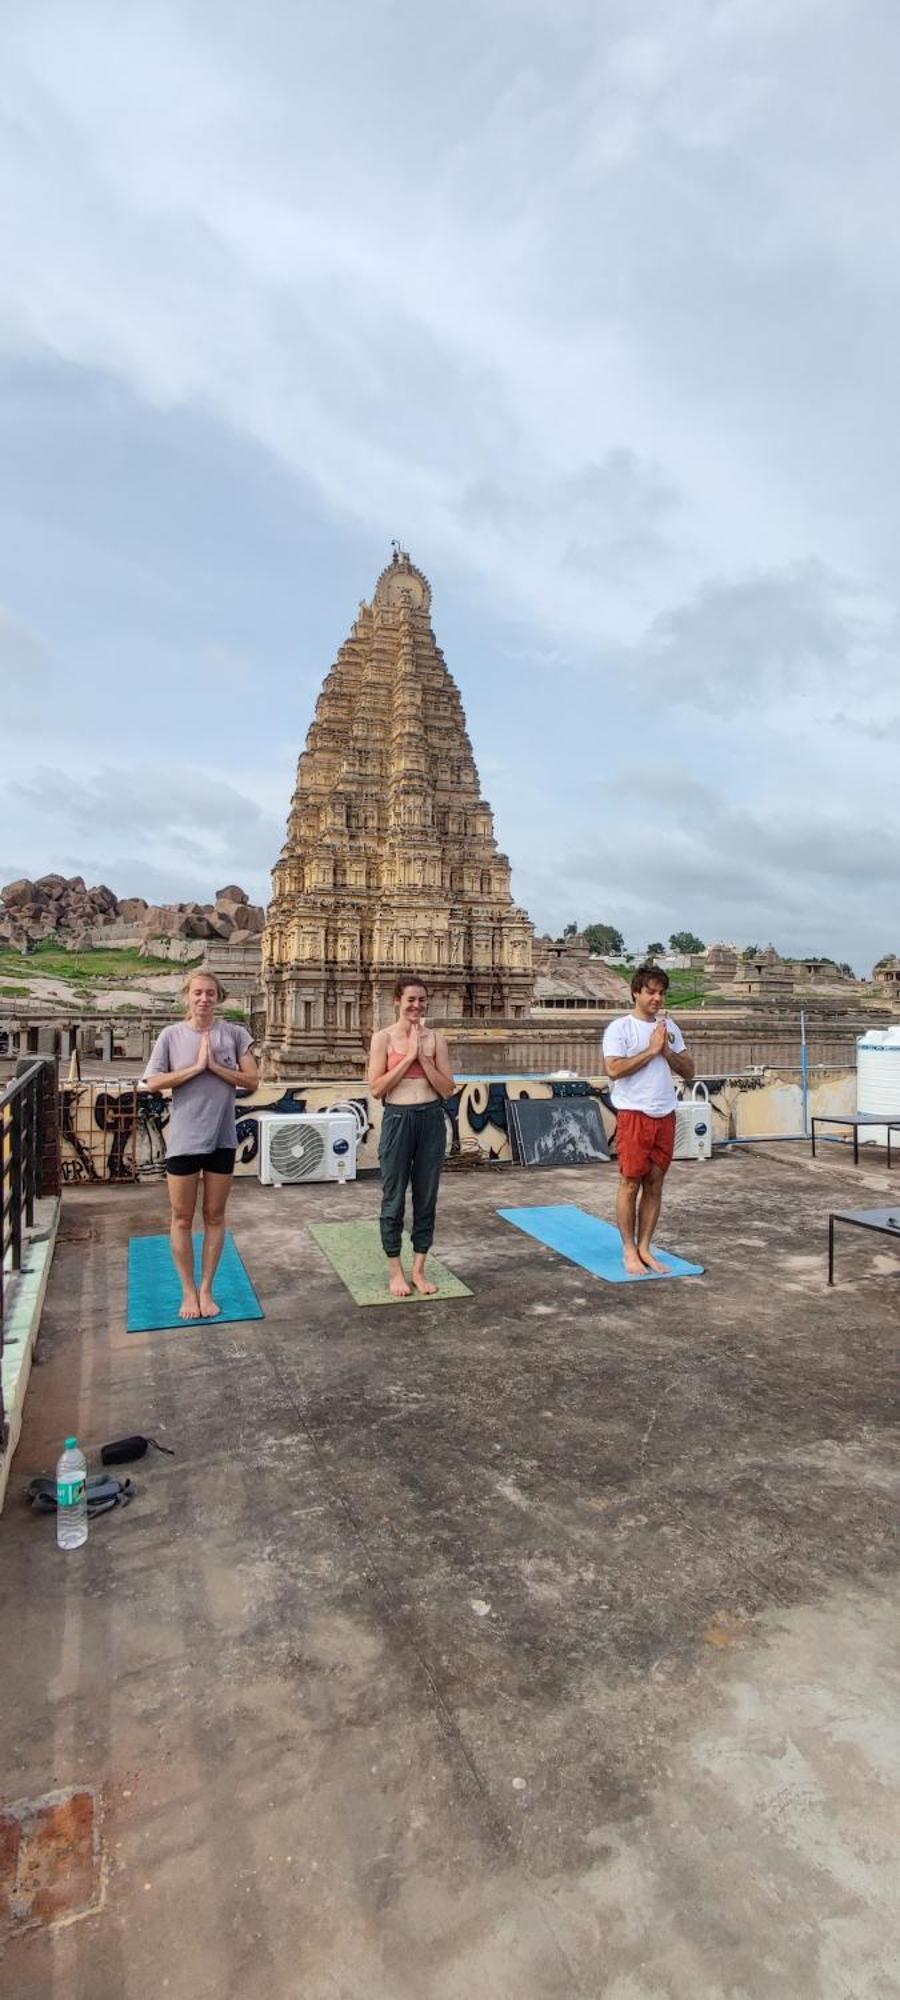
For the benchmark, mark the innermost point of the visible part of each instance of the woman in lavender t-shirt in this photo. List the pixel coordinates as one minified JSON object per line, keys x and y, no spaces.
{"x":203,"y":1062}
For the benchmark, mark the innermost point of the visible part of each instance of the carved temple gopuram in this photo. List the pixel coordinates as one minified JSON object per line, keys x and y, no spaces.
{"x":390,"y":863}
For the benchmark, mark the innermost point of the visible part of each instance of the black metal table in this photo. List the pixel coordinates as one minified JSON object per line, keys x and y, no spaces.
{"x":886,"y":1221}
{"x":856,"y":1119}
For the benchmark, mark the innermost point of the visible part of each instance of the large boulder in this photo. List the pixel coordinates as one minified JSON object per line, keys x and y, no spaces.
{"x":19,"y":892}
{"x":189,"y":920}
{"x":161,"y":919}
{"x":194,"y":921}
{"x":60,"y":903}
{"x":63,"y":905}
{"x":103,"y":900}
{"x":245,"y":917}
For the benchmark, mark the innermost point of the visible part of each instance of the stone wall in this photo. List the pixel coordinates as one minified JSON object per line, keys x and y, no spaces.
{"x":722,"y":1044}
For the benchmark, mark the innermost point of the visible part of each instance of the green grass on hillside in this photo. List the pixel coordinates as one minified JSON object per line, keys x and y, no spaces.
{"x":52,"y":961}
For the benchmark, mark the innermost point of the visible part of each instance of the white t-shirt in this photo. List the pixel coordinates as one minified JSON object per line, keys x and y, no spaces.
{"x":652,"y":1088}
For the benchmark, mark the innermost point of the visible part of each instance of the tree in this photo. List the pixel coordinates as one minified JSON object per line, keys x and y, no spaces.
{"x":655,"y":950}
{"x":604,"y":940}
{"x":752,"y":951}
{"x":571,"y":930}
{"x":686,"y":943}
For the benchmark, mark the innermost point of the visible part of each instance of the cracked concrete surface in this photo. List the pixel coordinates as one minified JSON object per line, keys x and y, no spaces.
{"x":538,"y":1644}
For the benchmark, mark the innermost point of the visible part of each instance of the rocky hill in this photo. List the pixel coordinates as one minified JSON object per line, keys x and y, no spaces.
{"x":65,"y":909}
{"x":565,"y":974}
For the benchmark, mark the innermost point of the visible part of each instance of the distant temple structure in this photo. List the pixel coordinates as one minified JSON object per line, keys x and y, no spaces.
{"x":390,"y":862}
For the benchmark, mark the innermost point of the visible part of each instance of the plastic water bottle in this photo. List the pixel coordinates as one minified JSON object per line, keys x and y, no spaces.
{"x":71,"y":1497}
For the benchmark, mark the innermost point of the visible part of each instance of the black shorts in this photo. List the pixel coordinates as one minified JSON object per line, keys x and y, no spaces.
{"x":219,"y":1162}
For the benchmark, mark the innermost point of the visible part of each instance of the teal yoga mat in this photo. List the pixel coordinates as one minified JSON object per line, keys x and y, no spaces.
{"x":154,"y":1287}
{"x":587,"y":1240}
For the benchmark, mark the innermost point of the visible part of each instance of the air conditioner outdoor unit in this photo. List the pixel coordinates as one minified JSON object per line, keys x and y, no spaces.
{"x":306,"y":1146}
{"x":693,"y":1126}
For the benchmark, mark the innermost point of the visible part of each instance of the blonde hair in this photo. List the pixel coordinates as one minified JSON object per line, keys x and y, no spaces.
{"x":203,"y":972}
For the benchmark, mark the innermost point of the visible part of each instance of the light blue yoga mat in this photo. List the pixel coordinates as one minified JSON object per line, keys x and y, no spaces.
{"x":590,"y":1242}
{"x":154,"y":1287}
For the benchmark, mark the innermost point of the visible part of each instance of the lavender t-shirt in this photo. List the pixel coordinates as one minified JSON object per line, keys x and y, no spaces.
{"x":202,"y":1116}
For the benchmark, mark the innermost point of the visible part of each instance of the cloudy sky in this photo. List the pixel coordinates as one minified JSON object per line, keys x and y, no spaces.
{"x":592,"y":303}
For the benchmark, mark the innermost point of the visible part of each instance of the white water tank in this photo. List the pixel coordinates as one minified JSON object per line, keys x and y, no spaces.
{"x":878,"y":1078}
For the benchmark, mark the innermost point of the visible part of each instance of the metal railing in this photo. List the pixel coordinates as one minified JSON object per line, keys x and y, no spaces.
{"x":21,"y":1103}
{"x":29,"y":1173}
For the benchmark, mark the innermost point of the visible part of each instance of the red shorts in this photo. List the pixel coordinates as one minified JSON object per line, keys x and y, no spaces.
{"x":643,"y":1142}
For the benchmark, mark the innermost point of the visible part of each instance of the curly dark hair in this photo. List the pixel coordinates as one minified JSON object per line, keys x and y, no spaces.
{"x":648,"y":975}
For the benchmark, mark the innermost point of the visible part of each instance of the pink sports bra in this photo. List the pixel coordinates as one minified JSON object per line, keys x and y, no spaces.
{"x":395,"y":1056}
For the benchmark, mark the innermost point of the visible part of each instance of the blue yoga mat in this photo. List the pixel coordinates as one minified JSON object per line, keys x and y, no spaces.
{"x":154,"y":1287}
{"x":590,"y":1242}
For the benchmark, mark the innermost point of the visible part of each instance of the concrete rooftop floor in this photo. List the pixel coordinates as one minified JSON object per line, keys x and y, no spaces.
{"x":538,"y":1644}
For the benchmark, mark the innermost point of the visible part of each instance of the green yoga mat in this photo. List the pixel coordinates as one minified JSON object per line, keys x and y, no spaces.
{"x":354,"y":1249}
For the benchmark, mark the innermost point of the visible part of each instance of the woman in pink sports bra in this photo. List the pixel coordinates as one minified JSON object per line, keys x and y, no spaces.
{"x":409,"y":1068}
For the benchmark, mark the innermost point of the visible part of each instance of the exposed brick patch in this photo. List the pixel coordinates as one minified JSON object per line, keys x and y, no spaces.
{"x":50,"y":1862}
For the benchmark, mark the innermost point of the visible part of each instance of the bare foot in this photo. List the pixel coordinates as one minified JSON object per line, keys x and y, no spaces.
{"x":190,"y":1307}
{"x":208,"y":1307}
{"x":398,"y":1286}
{"x":423,"y":1285}
{"x":653,"y":1263}
{"x":632,"y":1262}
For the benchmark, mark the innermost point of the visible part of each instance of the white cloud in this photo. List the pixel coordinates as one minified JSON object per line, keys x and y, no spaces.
{"x":152,"y":825}
{"x":399,"y":318}
{"x":762,"y":637}
{"x":806,"y":876}
{"x":597,"y":309}
{"x":25,"y":680}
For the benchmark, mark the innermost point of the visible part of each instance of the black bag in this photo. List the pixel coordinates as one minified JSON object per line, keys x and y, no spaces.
{"x":123,"y":1450}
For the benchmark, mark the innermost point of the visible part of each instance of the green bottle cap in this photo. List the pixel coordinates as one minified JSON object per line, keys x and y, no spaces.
{"x":71,"y":1444}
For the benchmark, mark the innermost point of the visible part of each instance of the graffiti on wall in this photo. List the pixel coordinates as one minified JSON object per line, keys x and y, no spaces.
{"x":110,"y":1132}
{"x":476,"y":1113}
{"x":113,"y":1132}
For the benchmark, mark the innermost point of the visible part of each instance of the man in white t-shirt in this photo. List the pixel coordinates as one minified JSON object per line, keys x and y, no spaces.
{"x":640,"y":1052}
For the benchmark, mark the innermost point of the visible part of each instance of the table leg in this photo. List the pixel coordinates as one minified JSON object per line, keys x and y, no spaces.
{"x":813,"y":1130}
{"x":831,"y":1249}
{"x":856,"y":1145}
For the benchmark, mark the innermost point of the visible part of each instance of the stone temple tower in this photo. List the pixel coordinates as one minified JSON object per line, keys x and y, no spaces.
{"x":390,"y":863}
